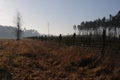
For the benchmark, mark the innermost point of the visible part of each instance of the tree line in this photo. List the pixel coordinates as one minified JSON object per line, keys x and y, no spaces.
{"x":112,"y":24}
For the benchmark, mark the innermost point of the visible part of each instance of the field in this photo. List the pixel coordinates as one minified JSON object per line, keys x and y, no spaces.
{"x":44,"y":60}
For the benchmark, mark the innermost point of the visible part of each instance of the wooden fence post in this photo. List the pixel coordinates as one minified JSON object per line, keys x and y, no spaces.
{"x":60,"y":40}
{"x":74,"y":38}
{"x":103,"y":41}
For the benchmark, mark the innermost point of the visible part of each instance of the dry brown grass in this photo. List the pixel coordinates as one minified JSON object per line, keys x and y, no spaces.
{"x":36,"y":60}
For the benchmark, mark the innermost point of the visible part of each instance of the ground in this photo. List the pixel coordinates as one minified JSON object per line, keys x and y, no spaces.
{"x":43,"y":60}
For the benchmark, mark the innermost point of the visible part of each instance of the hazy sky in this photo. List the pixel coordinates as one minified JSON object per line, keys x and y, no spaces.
{"x":61,"y":14}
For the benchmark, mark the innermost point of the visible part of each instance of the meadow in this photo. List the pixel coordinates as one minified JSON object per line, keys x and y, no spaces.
{"x":32,"y":59}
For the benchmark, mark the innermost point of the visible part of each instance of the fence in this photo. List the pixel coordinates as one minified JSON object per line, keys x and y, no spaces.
{"x":99,"y":42}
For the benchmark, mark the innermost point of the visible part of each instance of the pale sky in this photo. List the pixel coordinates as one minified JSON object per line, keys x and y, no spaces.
{"x":61,"y":14}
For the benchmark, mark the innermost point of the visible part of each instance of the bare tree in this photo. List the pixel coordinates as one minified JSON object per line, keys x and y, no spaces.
{"x":75,"y":28}
{"x":18,"y":26}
